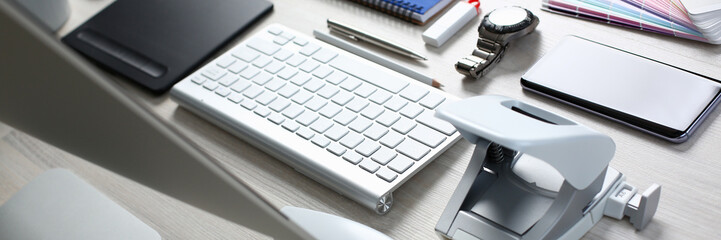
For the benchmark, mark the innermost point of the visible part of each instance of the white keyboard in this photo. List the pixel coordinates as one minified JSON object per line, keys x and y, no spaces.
{"x":344,"y":121}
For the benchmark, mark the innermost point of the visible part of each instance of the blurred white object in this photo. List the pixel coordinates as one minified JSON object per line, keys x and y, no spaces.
{"x":51,"y":13}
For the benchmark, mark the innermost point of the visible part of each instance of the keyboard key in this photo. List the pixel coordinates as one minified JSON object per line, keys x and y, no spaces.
{"x":262,"y":61}
{"x":240,"y":86}
{"x":228,"y":79}
{"x":330,"y":110}
{"x":283,"y":55}
{"x":404,"y":125}
{"x":345,"y":117}
{"x":400,"y":164}
{"x":351,"y":140}
{"x":305,"y":133}
{"x":293,"y":111}
{"x":302,"y":96}
{"x":275,"y":84}
{"x":342,"y":98}
{"x":356,"y":105}
{"x":300,"y":41}
{"x":413,"y":93}
{"x":427,"y":118}
{"x":222,"y":91}
{"x":266,"y":97}
{"x":309,"y":49}
{"x":250,"y":105}
{"x":210,"y":85}
{"x":237,"y":67}
{"x":275,"y":30}
{"x":314,"y":85}
{"x":235,"y":97}
{"x":300,"y":79}
{"x":262,"y":111}
{"x":321,"y":125}
{"x":336,"y":132}
{"x":427,"y":136}
{"x":306,"y":118}
{"x":320,"y":141}
{"x":411,"y":110}
{"x":412,"y":149}
{"x":253,"y":91}
{"x":388,"y":118}
{"x":336,"y":77}
{"x":315,"y":104}
{"x":336,"y":148}
{"x":276,"y":118}
{"x":291,"y":126}
{"x":249,"y":72}
{"x":372,"y":111}
{"x":245,"y":54}
{"x":350,"y":83}
{"x":262,"y":78}
{"x":322,"y":72}
{"x":225,"y":61}
{"x":352,"y":157}
{"x":288,"y":90}
{"x":395,"y":104}
{"x":431,"y":101}
{"x":328,"y":91}
{"x":360,"y":124}
{"x":213,"y":72}
{"x":280,"y":40}
{"x":295,"y":60}
{"x":392,"y":139}
{"x":380,"y":96}
{"x":368,"y":73}
{"x":274,"y":67}
{"x":365,"y":90}
{"x":386,"y":175}
{"x":279,"y":104}
{"x":384,"y":155}
{"x":324,"y":55}
{"x":263,"y":46}
{"x":197,"y":79}
{"x":287,"y":73}
{"x":369,"y":165}
{"x":309,"y":66}
{"x":287,"y":35}
{"x":375,"y":132}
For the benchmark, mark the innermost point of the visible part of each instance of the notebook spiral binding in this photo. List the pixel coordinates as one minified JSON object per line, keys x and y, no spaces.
{"x":397,"y":8}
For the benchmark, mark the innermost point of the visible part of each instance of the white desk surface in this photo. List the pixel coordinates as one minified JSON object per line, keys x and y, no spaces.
{"x":689,"y":172}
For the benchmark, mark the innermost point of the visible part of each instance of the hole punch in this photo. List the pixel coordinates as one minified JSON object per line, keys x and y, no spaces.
{"x":535,"y":175}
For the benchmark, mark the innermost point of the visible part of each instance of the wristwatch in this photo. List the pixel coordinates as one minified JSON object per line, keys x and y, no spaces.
{"x":497,"y":29}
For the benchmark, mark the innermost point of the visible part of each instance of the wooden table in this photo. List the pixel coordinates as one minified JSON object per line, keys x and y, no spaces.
{"x":689,"y":172}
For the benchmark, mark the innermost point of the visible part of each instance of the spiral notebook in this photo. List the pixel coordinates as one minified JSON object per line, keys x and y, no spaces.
{"x":415,"y":11}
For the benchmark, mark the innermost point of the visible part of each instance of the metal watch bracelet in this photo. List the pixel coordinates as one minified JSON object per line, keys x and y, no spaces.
{"x":486,"y":54}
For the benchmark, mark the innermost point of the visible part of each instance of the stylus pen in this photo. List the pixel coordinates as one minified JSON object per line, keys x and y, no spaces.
{"x":345,"y":45}
{"x":357,"y":34}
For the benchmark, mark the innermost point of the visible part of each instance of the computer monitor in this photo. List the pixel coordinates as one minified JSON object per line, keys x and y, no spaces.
{"x":51,"y":93}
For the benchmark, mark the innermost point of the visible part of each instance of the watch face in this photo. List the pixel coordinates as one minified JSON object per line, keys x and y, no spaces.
{"x":507,"y":19}
{"x":507,"y":16}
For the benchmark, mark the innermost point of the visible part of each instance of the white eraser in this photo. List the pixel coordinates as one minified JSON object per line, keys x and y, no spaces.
{"x":449,"y":24}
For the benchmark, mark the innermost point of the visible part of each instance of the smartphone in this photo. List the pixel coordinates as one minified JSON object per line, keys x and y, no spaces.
{"x":657,"y":98}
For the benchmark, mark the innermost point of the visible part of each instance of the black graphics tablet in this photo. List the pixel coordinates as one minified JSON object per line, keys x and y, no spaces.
{"x":155,"y":43}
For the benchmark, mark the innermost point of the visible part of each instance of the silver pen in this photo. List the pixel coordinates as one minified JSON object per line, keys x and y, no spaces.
{"x":356,"y":34}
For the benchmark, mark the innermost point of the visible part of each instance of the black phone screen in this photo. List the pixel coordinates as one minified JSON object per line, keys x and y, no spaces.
{"x":655,"y":97}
